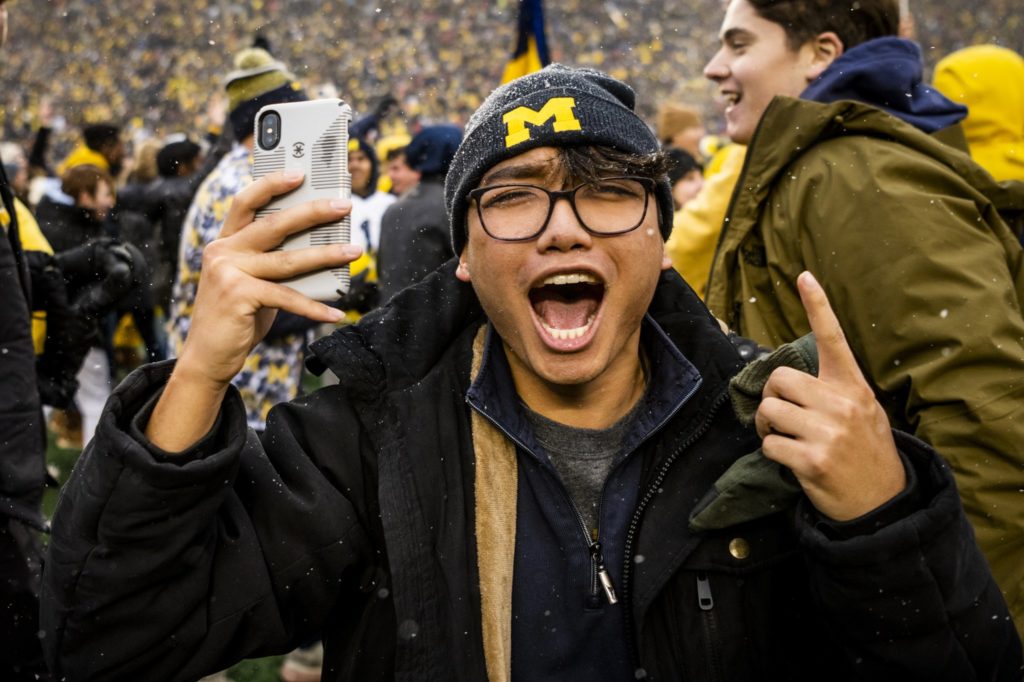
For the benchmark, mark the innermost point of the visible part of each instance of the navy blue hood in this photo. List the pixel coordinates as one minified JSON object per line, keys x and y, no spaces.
{"x":886,"y":73}
{"x":432,"y":150}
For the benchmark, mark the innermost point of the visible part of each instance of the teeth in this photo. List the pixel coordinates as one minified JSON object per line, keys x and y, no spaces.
{"x":573,"y":278}
{"x":732,"y":98}
{"x":568,"y":334}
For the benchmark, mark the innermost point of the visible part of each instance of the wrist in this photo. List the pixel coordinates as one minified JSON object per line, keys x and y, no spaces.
{"x":196,"y":376}
{"x":187,"y":409}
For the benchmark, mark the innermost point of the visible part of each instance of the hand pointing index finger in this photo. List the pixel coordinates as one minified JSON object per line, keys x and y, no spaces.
{"x":836,"y":363}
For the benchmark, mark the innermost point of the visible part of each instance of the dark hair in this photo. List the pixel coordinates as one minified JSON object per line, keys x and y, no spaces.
{"x":84,"y":178}
{"x":100,"y":134}
{"x":854,"y":21}
{"x":263,"y":42}
{"x":681,"y":162}
{"x":175,"y":155}
{"x":588,"y":163}
{"x":394,"y":154}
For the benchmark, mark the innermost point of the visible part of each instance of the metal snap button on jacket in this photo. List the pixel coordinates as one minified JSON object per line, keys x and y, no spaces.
{"x":739,"y":548}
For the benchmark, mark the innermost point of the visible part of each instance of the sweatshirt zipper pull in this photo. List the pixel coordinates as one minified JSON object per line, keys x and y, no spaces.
{"x":704,"y":599}
{"x":602,"y":573}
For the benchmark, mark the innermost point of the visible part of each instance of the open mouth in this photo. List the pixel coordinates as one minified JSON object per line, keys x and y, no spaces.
{"x":731,"y":99}
{"x":566,"y":306}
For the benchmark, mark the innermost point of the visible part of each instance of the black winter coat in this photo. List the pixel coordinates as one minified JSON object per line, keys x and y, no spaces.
{"x":66,"y":226}
{"x":168,"y":200}
{"x":353,"y":517}
{"x":22,"y":434}
{"x":414,"y":237}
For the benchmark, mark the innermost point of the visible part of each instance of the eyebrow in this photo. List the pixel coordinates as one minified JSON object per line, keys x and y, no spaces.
{"x":530,"y":171}
{"x":734,"y":33}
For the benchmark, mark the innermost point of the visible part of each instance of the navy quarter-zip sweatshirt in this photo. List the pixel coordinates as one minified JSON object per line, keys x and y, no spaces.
{"x":564,"y":627}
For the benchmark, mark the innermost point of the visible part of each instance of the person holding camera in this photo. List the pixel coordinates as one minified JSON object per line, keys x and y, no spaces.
{"x":501,"y":486}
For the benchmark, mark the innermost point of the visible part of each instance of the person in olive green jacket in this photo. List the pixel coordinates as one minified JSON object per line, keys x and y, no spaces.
{"x":852,"y":182}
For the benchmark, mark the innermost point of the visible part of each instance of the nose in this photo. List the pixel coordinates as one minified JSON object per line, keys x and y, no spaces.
{"x":717,"y":70}
{"x":564,"y":231}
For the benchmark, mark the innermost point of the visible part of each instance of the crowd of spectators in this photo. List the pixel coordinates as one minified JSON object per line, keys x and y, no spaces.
{"x":154,"y":63}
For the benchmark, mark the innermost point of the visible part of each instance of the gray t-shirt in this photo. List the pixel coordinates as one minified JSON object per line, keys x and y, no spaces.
{"x":583,"y":458}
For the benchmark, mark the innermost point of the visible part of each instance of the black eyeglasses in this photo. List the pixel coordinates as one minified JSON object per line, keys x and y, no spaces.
{"x":604,"y":207}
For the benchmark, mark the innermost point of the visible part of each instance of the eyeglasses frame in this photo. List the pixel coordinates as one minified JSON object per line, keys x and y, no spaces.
{"x":570,"y":196}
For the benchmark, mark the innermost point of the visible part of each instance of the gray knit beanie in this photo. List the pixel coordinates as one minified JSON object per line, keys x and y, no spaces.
{"x":559,"y":106}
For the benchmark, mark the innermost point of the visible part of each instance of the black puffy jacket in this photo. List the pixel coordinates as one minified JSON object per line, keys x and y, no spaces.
{"x":22,"y":434}
{"x":354,"y":516}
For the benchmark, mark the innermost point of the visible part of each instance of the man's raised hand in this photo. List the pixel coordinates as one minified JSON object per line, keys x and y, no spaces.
{"x":239,"y":295}
{"x":829,"y":430}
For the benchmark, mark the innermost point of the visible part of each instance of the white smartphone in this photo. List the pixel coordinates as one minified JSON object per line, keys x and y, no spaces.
{"x":312,"y":137}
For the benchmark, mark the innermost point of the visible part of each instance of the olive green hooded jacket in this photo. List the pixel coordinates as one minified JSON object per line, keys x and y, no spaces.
{"x":905,"y":234}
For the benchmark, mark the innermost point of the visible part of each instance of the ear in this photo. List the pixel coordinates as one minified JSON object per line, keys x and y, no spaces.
{"x":462,"y":272}
{"x":825,"y":48}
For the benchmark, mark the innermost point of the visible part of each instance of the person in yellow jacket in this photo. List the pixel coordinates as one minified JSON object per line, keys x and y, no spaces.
{"x":990,"y":81}
{"x":696,"y":227}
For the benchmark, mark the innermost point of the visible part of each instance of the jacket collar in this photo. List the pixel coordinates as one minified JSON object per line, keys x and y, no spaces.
{"x":672,"y":381}
{"x":397,"y":345}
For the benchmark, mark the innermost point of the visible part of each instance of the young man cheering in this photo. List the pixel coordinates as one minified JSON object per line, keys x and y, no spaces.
{"x":499,"y":486}
{"x":854,"y":182}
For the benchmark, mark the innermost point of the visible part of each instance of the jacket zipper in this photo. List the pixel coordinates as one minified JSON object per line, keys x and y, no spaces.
{"x":600,"y":579}
{"x":634,"y":524}
{"x":707,"y":603}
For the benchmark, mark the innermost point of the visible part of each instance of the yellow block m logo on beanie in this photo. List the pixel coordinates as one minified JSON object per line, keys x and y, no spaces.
{"x":558,"y":108}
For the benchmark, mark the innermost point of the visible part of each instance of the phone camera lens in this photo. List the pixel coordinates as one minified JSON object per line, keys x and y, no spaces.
{"x":269,"y":130}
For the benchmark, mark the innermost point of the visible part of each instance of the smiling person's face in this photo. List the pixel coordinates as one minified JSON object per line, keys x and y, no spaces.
{"x":403,"y":177}
{"x":568,"y":304}
{"x":361,"y":168}
{"x":754,"y":64}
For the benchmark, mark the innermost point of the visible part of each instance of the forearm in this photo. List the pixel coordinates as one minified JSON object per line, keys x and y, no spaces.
{"x":186,"y":411}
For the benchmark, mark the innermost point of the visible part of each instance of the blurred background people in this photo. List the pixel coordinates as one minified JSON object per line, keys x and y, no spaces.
{"x":403,"y":177}
{"x":989,"y":80}
{"x":169,"y":196}
{"x":81,"y":214}
{"x":681,"y":126}
{"x":686,"y":175}
{"x":414,"y":235}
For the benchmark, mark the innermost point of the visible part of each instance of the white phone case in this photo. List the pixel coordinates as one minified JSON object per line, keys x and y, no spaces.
{"x":313,"y":139}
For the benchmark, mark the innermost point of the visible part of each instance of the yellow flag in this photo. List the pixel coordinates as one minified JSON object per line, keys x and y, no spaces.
{"x":531,"y":53}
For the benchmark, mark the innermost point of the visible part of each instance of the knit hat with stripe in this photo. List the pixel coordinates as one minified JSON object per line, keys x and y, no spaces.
{"x":257,"y":80}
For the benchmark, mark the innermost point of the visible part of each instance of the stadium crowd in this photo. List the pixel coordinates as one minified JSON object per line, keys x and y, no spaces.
{"x":155,"y":65}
